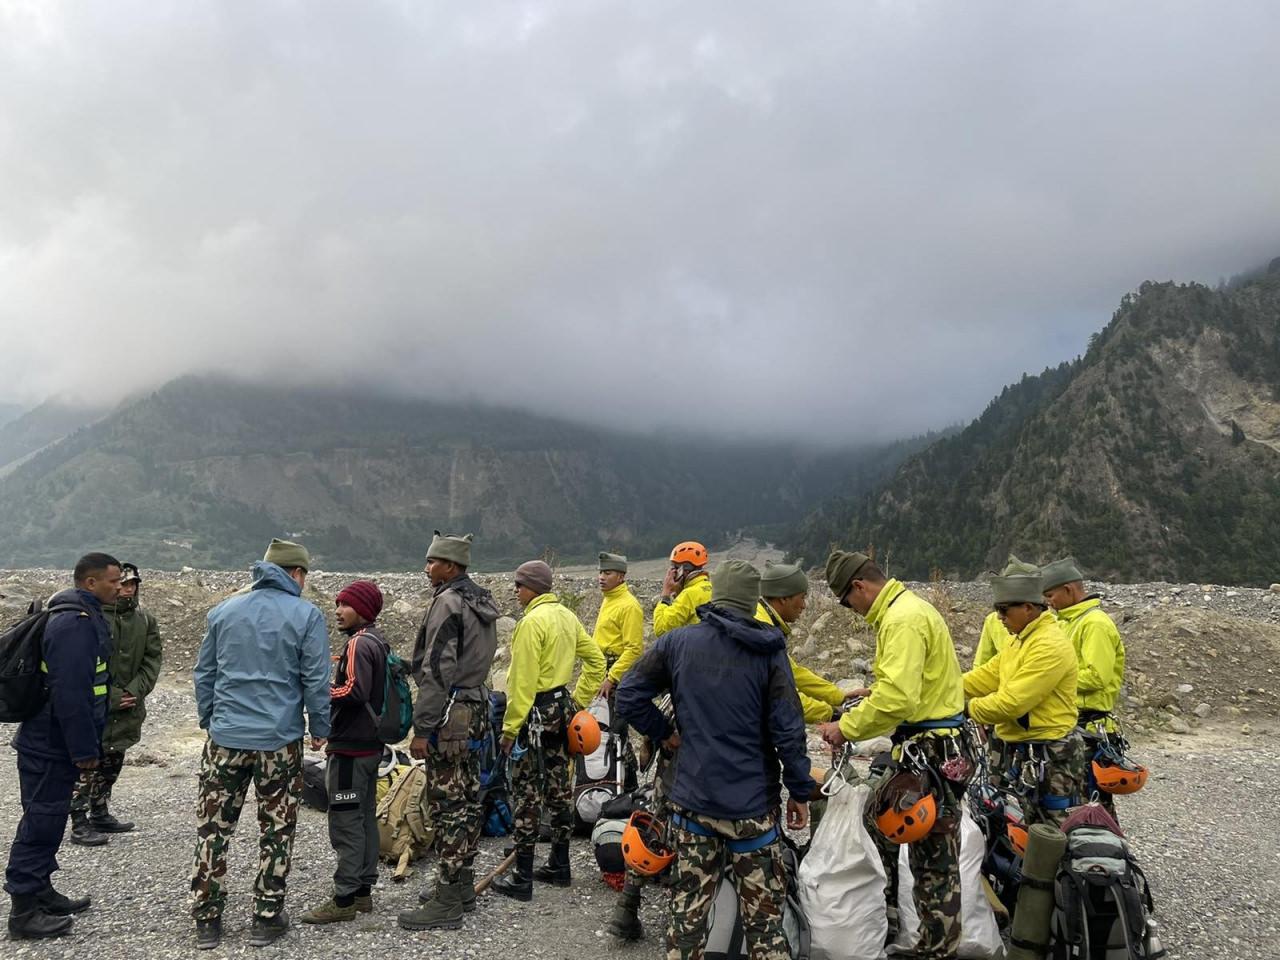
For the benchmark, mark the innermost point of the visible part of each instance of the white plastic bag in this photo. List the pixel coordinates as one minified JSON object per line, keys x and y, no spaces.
{"x":979,"y":933}
{"x":842,"y":882}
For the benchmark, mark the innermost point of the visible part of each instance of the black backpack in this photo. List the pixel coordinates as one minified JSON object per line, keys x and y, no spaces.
{"x":22,"y":687}
{"x":1102,"y":905}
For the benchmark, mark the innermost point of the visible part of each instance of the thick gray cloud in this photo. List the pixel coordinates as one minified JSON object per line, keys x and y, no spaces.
{"x":659,"y":212}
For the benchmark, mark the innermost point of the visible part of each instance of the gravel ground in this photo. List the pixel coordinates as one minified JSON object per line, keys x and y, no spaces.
{"x":1203,"y":829}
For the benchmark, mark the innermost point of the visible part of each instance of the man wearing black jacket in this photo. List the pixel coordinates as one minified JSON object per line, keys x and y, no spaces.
{"x":355,"y":751}
{"x":739,"y":726}
{"x":64,"y":738}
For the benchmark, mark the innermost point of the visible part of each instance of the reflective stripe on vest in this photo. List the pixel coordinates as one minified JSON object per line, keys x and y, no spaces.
{"x":99,"y":673}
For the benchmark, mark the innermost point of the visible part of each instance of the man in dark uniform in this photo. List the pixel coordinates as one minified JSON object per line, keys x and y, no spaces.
{"x":64,"y":738}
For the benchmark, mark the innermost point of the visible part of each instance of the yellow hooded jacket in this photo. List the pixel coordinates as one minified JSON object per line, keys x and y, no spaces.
{"x":817,"y":696}
{"x":547,"y":641}
{"x":1028,"y":690}
{"x":994,"y":639}
{"x":683,"y":610}
{"x":620,"y":630}
{"x":917,"y":675}
{"x":1099,"y":652}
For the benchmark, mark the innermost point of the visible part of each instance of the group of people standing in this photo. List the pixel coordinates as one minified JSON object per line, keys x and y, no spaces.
{"x":716,"y":694}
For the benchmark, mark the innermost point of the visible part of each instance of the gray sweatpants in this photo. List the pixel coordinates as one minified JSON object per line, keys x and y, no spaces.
{"x":353,"y":825}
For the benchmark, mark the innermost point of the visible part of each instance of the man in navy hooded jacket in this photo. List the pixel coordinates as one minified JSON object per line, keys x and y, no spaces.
{"x":740,"y":725}
{"x":64,"y":738}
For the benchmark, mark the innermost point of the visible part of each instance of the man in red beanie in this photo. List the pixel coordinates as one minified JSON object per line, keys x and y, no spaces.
{"x":355,"y":751}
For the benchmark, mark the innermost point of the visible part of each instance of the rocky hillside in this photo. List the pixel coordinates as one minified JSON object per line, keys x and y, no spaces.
{"x":1156,"y":455}
{"x":22,"y":433}
{"x":203,"y":472}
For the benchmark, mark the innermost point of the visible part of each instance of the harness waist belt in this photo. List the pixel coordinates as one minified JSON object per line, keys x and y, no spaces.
{"x":550,"y":696}
{"x":906,"y":731}
{"x":744,"y":845}
{"x":1089,"y":716}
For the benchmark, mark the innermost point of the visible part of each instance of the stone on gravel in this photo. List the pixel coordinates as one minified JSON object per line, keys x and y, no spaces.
{"x":1202,"y":710}
{"x":1178,"y":725}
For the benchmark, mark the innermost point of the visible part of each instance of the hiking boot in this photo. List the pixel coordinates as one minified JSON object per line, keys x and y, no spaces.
{"x":329,"y":912}
{"x":60,"y":905}
{"x":467,"y":881}
{"x":101,"y":820}
{"x":442,"y":912}
{"x":624,"y":923}
{"x":83,"y":833}
{"x":556,"y":870}
{"x":518,"y":883}
{"x":364,"y":904}
{"x":208,"y":933}
{"x":28,"y":920}
{"x":267,"y":930}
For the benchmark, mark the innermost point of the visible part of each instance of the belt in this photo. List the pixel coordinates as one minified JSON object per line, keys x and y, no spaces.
{"x":745,"y":845}
{"x":907,"y":730}
{"x":1089,"y":716}
{"x":550,"y":696}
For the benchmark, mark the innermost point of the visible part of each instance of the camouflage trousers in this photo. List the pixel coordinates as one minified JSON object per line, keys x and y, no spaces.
{"x":758,"y":876}
{"x":1048,"y":776}
{"x":93,"y":789}
{"x":451,"y":800}
{"x":225,"y":775}
{"x":935,"y":867}
{"x":542,"y":780}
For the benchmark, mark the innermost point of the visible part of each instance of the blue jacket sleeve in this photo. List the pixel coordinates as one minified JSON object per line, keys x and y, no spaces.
{"x":314,"y":660}
{"x":786,"y":729}
{"x":649,"y":678}
{"x":71,"y":657}
{"x":205,"y":672}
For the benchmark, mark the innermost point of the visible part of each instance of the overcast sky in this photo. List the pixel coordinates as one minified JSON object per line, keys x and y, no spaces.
{"x":729,"y":214}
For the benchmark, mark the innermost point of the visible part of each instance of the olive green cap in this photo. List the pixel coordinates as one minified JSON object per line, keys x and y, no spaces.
{"x":451,"y":547}
{"x":736,"y":584}
{"x":782,"y":580}
{"x":286,"y":553}
{"x":1020,"y":588}
{"x":1017,"y":568}
{"x":613,"y":561}
{"x":842,"y":567}
{"x":1059,"y":572}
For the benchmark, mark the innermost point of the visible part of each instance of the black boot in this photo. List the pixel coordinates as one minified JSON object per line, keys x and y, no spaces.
{"x":556,"y":869}
{"x":100,"y":819}
{"x":467,"y":877}
{"x":82,"y":831}
{"x":60,"y":905}
{"x":624,"y":924}
{"x":30,"y":921}
{"x":265,"y":931}
{"x":208,"y":933}
{"x":518,"y":883}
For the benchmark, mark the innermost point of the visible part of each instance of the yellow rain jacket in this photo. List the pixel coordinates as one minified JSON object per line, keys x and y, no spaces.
{"x":917,"y":675}
{"x":620,"y":630}
{"x":1099,"y":651}
{"x":994,"y":639}
{"x":1028,"y":690}
{"x":683,"y":610}
{"x":817,"y":696}
{"x":547,"y":641}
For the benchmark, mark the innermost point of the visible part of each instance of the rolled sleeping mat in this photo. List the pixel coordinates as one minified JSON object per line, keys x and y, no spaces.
{"x":1033,"y":915}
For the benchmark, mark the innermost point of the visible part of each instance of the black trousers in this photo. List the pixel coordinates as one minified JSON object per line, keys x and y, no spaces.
{"x":45,"y":786}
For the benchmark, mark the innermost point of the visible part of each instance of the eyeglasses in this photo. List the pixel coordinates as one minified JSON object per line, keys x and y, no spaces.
{"x":1002,"y":609}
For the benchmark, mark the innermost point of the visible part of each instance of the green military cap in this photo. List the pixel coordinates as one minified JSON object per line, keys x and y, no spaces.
{"x":1059,"y":572}
{"x":1020,"y":588}
{"x":782,"y":580}
{"x":736,"y":584}
{"x":1017,"y":568}
{"x":451,"y":547}
{"x":613,"y":561}
{"x":842,"y":567}
{"x":286,"y":553}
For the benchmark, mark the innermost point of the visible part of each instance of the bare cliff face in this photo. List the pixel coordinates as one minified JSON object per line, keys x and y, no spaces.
{"x":1156,"y":455}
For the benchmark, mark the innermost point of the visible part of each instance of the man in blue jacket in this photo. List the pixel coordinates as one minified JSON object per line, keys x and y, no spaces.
{"x":739,"y":725}
{"x":64,"y":738}
{"x":264,"y":657}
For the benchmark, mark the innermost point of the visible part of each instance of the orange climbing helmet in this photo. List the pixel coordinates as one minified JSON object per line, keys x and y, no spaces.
{"x":644,"y":847}
{"x":584,"y":733}
{"x":1116,"y":775}
{"x":690,"y":552}
{"x":906,"y":809}
{"x":1018,"y":837}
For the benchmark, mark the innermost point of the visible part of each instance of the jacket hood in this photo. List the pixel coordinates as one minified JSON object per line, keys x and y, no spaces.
{"x":270,"y":576}
{"x":758,"y":637}
{"x":476,"y":597}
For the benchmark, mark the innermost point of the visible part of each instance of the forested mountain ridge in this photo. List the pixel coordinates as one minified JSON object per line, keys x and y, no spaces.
{"x":1154,"y":456}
